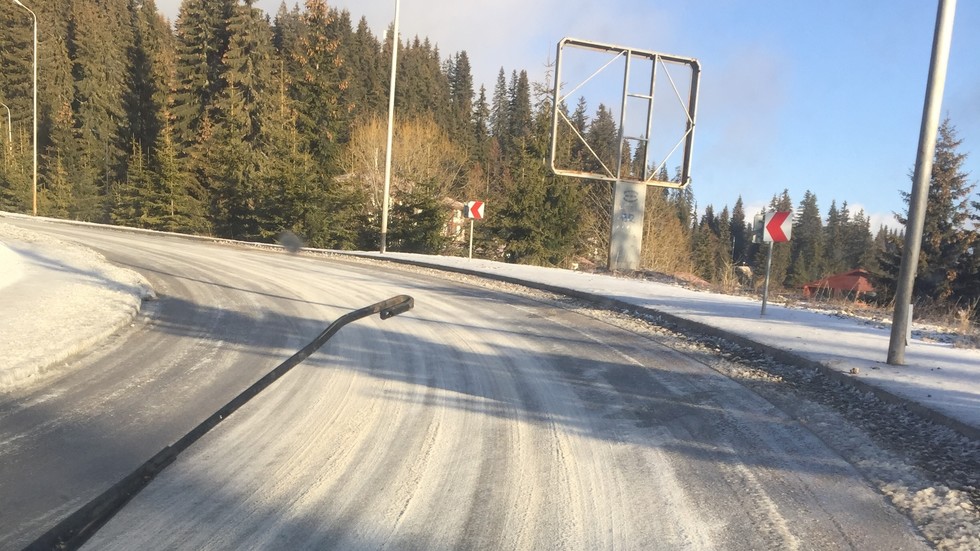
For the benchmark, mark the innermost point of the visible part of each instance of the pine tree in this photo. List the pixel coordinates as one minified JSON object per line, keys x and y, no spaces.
{"x":287,"y":31}
{"x":148,"y":77}
{"x":246,"y":70}
{"x":685,"y":206}
{"x":858,"y":242}
{"x":237,"y":193}
{"x":724,"y":255}
{"x":968,"y":288}
{"x":295,"y":195}
{"x":834,"y":239}
{"x":423,"y":86}
{"x":16,"y":53}
{"x":461,"y":102}
{"x":540,"y":220}
{"x":580,"y":123}
{"x":481,"y":128}
{"x":55,"y":199}
{"x":947,"y":244}
{"x":180,"y":199}
{"x":201,"y":40}
{"x":130,"y":195}
{"x":564,"y":209}
{"x":806,"y":247}
{"x":516,"y":222}
{"x":705,"y":246}
{"x":603,"y":137}
{"x":16,"y":190}
{"x":740,"y":235}
{"x":418,"y":221}
{"x":500,"y":110}
{"x":519,"y":115}
{"x":367,"y":89}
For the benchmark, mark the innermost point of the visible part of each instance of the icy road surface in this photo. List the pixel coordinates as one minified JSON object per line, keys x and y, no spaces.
{"x":481,"y":419}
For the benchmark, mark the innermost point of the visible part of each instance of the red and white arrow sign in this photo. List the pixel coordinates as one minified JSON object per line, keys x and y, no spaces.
{"x":778,"y":227}
{"x":474,"y":209}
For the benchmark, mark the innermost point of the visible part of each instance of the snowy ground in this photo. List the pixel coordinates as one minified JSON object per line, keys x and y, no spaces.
{"x":78,"y":298}
{"x":57,"y":299}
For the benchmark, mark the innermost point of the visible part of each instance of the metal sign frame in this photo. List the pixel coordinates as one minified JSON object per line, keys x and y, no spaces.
{"x":648,"y":175}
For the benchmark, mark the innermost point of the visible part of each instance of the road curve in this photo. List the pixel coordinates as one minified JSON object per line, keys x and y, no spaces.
{"x":479,"y":420}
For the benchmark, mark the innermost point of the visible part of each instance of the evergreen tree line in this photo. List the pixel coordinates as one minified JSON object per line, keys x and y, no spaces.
{"x":235,"y":124}
{"x":948,"y":271}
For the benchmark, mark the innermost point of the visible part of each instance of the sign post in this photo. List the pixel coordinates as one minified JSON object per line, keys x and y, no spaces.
{"x":765,"y":287}
{"x":474,"y":211}
{"x":629,"y":203}
{"x":644,"y":153}
{"x":776,"y":228}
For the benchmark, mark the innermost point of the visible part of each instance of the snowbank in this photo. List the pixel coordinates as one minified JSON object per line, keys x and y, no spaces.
{"x":11,"y":266}
{"x":74,"y":297}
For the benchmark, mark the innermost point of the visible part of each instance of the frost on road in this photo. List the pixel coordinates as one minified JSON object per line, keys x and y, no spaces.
{"x":482,"y":419}
{"x":524,"y":427}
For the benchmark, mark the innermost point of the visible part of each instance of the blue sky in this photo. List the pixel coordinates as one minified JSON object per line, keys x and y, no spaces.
{"x":823,"y":96}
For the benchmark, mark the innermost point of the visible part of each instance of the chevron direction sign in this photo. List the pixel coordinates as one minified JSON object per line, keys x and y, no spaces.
{"x":474,"y":210}
{"x":777,"y":227}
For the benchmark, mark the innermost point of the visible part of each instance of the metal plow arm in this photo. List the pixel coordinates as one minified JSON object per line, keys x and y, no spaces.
{"x":77,"y":528}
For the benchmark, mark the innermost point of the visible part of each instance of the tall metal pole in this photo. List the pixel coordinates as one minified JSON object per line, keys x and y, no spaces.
{"x":920,"y":180}
{"x":391,"y":125}
{"x":34,"y":15}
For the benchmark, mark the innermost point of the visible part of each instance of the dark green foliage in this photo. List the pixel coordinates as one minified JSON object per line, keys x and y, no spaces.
{"x":98,"y":43}
{"x":603,"y":136}
{"x":541,"y":217}
{"x":201,"y":40}
{"x":519,"y":116}
{"x":237,"y":193}
{"x":322,"y":117}
{"x":367,"y":88}
{"x":148,"y":77}
{"x":418,"y":222}
{"x":706,"y":245}
{"x":741,"y":237}
{"x":806,"y":250}
{"x":177,"y":192}
{"x":500,"y":110}
{"x":461,"y":126}
{"x":422,"y":84}
{"x":481,"y":128}
{"x":947,"y":259}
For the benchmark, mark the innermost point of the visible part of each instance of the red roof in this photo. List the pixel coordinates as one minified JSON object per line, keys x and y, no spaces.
{"x":856,"y":281}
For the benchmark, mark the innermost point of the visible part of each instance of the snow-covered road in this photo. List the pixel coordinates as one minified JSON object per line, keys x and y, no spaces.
{"x":481,"y":419}
{"x":522,"y":427}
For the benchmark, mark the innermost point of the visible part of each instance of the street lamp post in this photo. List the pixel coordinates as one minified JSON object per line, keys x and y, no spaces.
{"x":385,"y":201}
{"x":34,"y":15}
{"x":919,"y":197}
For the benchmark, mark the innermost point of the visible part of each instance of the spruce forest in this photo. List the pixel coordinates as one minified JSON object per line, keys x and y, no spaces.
{"x":235,"y":124}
